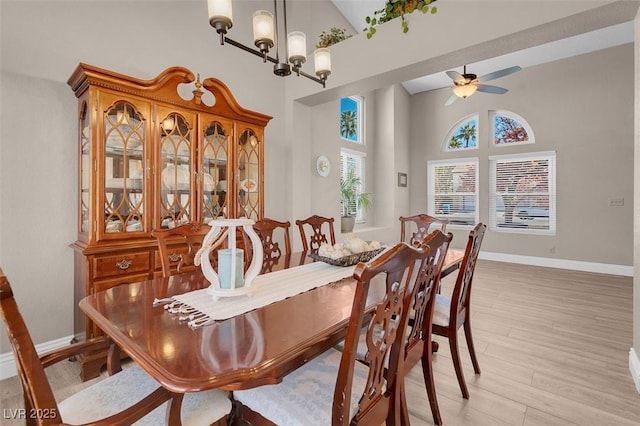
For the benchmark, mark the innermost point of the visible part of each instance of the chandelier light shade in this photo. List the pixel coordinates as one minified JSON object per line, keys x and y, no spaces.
{"x":465,"y":91}
{"x":265,"y":37}
{"x":322,"y":59}
{"x":263,"y":31}
{"x":220,"y":15}
{"x":297,"y":43}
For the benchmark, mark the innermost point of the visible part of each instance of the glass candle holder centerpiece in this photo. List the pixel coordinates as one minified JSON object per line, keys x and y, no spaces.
{"x":231,"y":278}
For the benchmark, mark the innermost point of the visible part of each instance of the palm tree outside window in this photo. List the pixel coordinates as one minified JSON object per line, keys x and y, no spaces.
{"x":463,"y":135}
{"x":351,"y":119}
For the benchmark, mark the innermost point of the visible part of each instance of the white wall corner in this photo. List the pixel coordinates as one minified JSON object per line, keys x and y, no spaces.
{"x":8,"y":363}
{"x":634,"y":367}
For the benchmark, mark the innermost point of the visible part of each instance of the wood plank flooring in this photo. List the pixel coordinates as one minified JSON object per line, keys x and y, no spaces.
{"x":553,"y":346}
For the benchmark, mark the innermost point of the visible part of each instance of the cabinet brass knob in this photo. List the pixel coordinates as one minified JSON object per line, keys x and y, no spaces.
{"x":124,"y":264}
{"x":174,"y":257}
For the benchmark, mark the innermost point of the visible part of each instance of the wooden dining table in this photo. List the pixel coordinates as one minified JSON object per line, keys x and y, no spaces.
{"x":248,"y":350}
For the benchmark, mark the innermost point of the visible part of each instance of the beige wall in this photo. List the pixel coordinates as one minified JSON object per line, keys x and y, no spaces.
{"x":581,"y":108}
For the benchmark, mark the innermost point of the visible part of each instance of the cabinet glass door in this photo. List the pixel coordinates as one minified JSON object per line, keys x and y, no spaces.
{"x":248,"y":175}
{"x":123,"y":168}
{"x":176,"y":171}
{"x":214,"y":170}
{"x":85,"y":167}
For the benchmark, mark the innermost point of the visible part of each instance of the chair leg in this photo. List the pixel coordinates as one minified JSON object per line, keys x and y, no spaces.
{"x":427,"y":373}
{"x":472,"y":349}
{"x":455,"y":355}
{"x":401,"y":406}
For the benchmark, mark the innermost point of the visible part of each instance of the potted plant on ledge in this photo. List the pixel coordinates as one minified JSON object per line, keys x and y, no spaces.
{"x":351,"y":198}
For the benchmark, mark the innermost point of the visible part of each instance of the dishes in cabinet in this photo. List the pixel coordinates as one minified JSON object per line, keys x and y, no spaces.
{"x":209,"y":183}
{"x":113,"y":226}
{"x":175,"y":177}
{"x":249,"y":185}
{"x":134,"y":226}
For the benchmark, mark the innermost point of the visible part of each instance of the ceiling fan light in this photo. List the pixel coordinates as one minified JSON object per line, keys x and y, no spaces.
{"x":465,"y":91}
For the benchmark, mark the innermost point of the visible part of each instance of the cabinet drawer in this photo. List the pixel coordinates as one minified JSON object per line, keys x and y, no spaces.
{"x":121,"y":264}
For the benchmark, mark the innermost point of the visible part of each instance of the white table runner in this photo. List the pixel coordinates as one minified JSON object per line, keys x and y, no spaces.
{"x":199,"y":308}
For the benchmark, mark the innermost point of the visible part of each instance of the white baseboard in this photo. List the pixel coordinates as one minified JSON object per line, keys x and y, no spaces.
{"x":634,"y":367}
{"x":7,"y":361}
{"x":575,"y":265}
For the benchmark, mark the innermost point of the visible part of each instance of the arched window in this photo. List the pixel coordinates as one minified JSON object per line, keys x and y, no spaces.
{"x":463,"y":135}
{"x":509,"y":128}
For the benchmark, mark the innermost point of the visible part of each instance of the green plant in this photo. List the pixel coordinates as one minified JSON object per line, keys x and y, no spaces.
{"x":332,"y":37}
{"x":350,"y":195}
{"x":397,"y":8}
{"x":348,"y":123}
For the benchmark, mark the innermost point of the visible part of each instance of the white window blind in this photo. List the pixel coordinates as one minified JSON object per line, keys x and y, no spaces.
{"x":522,"y":194}
{"x":353,"y":161}
{"x":453,"y":190}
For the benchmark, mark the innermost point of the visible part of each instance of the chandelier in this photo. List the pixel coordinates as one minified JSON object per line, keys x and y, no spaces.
{"x":265,"y":36}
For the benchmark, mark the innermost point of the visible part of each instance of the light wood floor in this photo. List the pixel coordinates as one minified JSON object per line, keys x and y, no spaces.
{"x":553,"y":346}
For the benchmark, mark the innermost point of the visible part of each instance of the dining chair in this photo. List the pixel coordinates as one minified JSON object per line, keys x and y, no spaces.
{"x":420,"y":304}
{"x":334,"y":388}
{"x":453,"y":312}
{"x":318,"y":237}
{"x":128,"y":395}
{"x":271,"y":249}
{"x":178,"y":246}
{"x":422,"y":223}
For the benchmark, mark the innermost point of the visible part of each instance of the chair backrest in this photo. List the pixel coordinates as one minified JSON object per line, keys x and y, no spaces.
{"x":462,"y":290}
{"x":38,"y":395}
{"x":423,"y":222}
{"x":266,"y":229}
{"x":421,"y":300}
{"x":399,"y":267}
{"x":178,"y":247}
{"x":317,"y":238}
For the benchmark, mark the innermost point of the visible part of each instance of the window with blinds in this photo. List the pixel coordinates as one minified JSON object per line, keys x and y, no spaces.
{"x":522,"y":193}
{"x":453,"y":190}
{"x":353,"y":162}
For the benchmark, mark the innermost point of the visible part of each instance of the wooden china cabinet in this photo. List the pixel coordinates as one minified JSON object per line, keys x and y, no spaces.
{"x":149,"y":159}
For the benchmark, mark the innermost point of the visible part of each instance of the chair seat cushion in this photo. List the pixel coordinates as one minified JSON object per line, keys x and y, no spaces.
{"x":442,"y":310}
{"x":120,"y":391}
{"x":305,"y":397}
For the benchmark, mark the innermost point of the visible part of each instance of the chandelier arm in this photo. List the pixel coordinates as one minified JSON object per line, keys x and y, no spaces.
{"x":250,"y":50}
{"x":270,"y":59}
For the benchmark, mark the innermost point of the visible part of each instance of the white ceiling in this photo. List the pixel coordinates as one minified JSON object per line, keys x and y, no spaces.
{"x":356,"y":11}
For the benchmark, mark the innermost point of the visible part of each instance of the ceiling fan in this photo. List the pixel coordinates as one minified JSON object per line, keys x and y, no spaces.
{"x":466,"y":85}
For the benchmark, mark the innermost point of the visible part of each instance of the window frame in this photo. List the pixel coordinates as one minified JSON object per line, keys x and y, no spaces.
{"x":513,"y":116}
{"x":359,"y":100}
{"x":431,"y":195}
{"x":551,"y":156}
{"x":453,"y":129}
{"x":361,"y":157}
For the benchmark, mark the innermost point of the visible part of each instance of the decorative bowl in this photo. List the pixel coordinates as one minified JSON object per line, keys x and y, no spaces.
{"x":350,"y":260}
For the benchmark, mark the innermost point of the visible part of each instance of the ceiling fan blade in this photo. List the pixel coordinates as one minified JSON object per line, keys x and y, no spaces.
{"x":499,"y":73}
{"x":491,"y":89}
{"x":456,"y":76}
{"x":451,"y":100}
